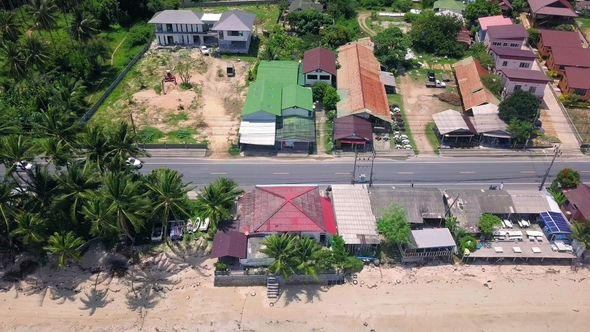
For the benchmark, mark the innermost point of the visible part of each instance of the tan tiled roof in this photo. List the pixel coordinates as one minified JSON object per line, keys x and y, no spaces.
{"x":470,"y":86}
{"x":359,"y":85}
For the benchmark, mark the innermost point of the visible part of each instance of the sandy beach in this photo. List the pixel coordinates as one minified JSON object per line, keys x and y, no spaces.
{"x":174,"y":292}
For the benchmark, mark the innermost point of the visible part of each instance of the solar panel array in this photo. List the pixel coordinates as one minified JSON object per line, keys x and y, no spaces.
{"x":556,"y":222}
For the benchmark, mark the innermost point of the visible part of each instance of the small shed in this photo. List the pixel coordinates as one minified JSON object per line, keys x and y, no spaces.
{"x":428,"y":243}
{"x":453,"y":127}
{"x":388,"y":81}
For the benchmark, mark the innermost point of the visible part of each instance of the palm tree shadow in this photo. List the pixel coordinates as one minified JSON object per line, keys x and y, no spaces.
{"x":183,"y":256}
{"x":300,"y":293}
{"x":95,"y":299}
{"x":227,"y":225}
{"x":150,"y":283}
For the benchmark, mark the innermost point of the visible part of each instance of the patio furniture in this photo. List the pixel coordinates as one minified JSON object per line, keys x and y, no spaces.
{"x":520,"y":224}
{"x":517,"y":250}
{"x":536,"y":250}
{"x":540,"y":238}
{"x":498,"y":249}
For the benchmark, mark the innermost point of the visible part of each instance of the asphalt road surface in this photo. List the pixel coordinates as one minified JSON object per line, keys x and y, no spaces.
{"x":515,"y":173}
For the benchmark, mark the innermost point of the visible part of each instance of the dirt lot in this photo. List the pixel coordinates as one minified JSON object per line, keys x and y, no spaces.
{"x":420,"y":105}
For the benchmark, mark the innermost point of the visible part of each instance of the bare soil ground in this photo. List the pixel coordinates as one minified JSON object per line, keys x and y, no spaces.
{"x":420,"y":104}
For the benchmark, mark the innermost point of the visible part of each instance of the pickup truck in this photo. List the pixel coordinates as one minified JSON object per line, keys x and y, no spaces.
{"x":436,"y":84}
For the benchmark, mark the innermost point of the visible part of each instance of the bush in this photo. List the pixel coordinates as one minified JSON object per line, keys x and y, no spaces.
{"x":487,"y":222}
{"x":234,"y":151}
{"x":352,"y":264}
{"x":318,"y":90}
{"x":564,"y":27}
{"x":140,"y":34}
{"x":569,"y":99}
{"x":467,"y":242}
{"x":158,"y":88}
{"x":149,"y":135}
{"x":534,"y":37}
{"x":493,"y":83}
{"x":568,"y":178}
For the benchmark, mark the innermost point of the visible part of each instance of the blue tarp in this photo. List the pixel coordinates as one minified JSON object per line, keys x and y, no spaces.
{"x":556,"y":223}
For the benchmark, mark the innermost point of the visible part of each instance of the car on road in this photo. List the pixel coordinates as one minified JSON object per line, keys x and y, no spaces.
{"x":134,"y":162}
{"x":24,"y":165}
{"x":431,"y":76}
{"x":204,"y":49}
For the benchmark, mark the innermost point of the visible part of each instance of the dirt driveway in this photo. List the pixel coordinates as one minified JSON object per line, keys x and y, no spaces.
{"x":209,"y":109}
{"x":419,"y":106}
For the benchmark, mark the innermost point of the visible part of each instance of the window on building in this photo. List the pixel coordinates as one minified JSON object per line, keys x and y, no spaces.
{"x":168,"y":27}
{"x":312,"y":77}
{"x":496,"y":43}
{"x":504,"y":63}
{"x":324,"y":77}
{"x":532,"y":89}
{"x":524,"y":65}
{"x":505,"y":44}
{"x":561,"y":67}
{"x":517,"y":87}
{"x":513,"y":45}
{"x":236,"y":33}
{"x":580,"y":92}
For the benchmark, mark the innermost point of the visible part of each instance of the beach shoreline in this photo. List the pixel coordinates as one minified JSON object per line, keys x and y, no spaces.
{"x":170,"y":292}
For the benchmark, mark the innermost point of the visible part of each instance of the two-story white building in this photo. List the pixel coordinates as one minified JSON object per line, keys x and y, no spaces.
{"x":512,"y":36}
{"x":533,"y":81}
{"x":506,"y":57}
{"x":319,"y":65}
{"x":232,"y":30}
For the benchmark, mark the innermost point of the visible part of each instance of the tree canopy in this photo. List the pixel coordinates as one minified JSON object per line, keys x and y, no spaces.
{"x":581,"y":233}
{"x":520,"y":131}
{"x":394,"y":225}
{"x":487,"y":223}
{"x":481,"y":8}
{"x":391,"y":46}
{"x":436,"y":34}
{"x":521,"y":105}
{"x":568,"y":178}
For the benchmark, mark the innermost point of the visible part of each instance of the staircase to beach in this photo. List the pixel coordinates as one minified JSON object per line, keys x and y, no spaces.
{"x":272,"y":287}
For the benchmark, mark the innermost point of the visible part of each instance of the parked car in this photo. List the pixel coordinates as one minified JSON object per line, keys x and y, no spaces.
{"x":157,"y":233}
{"x":204,"y":49}
{"x":176,"y":230}
{"x":24,"y":165}
{"x":431,"y":76}
{"x":134,"y":162}
{"x":436,"y":84}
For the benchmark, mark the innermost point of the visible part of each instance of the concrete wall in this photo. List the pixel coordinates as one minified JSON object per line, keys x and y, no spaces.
{"x":260,"y":280}
{"x":511,"y":63}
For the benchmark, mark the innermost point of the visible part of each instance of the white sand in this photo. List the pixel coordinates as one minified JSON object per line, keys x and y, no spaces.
{"x":174,"y":293}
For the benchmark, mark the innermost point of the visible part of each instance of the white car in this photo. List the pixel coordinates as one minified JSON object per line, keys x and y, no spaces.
{"x":204,"y":50}
{"x":157,"y":233}
{"x":134,"y":162}
{"x":24,"y":165}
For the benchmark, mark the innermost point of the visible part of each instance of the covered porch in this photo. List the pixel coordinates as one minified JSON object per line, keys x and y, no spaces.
{"x":453,"y":129}
{"x":296,"y":133}
{"x":491,"y":129}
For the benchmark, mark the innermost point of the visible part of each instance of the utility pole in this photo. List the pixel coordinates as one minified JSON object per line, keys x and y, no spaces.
{"x":372,"y":164}
{"x":555,"y":155}
{"x":362,"y":161}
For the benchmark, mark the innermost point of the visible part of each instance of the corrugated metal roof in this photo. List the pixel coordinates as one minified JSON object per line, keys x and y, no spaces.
{"x":176,"y":17}
{"x":263,"y":96}
{"x":490,"y":21}
{"x":419,"y":203}
{"x":353,"y":127}
{"x":451,"y":121}
{"x":513,"y":32}
{"x":472,"y":203}
{"x":354,"y":217}
{"x":449,"y":4}
{"x":470,"y":86}
{"x":529,"y":201}
{"x":432,"y":238}
{"x":319,"y":58}
{"x":359,"y":85}
{"x":257,"y":132}
{"x":297,"y":128}
{"x":571,"y":56}
{"x":577,"y":78}
{"x":486,"y":120}
{"x":509,"y":52}
{"x":556,"y":38}
{"x":552,"y":7}
{"x":387,"y":78}
{"x":235,"y":20}
{"x":525,"y":75}
{"x":281,"y":73}
{"x":297,"y":96}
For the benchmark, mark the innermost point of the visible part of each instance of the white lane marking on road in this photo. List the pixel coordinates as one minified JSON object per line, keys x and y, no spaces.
{"x":466,"y":172}
{"x":405,"y":173}
{"x":584,"y":171}
{"x":280,"y":173}
{"x":343,"y":173}
{"x":218,"y":173}
{"x":528,"y":172}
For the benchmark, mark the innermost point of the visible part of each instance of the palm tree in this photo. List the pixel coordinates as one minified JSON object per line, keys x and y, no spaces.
{"x":169,"y":193}
{"x":307,"y":252}
{"x":123,"y":199}
{"x":103,"y":222}
{"x":30,"y":228}
{"x":216,"y":200}
{"x":76,"y":186}
{"x":62,"y":125}
{"x":44,"y":187}
{"x":122,"y":143}
{"x":65,"y":245}
{"x":9,"y":29}
{"x":6,"y":208}
{"x":96,"y":146}
{"x":15,"y":60}
{"x":44,"y":14}
{"x":84,"y":26}
{"x":15,"y":148}
{"x":55,"y":151}
{"x":35,"y":51}
{"x":69,"y":93}
{"x":282,"y":249}
{"x":581,"y":233}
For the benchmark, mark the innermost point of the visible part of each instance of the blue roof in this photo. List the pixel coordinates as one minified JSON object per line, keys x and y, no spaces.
{"x":556,"y":223}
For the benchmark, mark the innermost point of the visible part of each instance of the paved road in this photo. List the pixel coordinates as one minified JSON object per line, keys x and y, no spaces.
{"x":519,"y":173}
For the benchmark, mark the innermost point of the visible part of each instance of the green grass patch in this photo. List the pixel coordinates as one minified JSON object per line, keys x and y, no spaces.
{"x":150,"y":135}
{"x":585,"y":22}
{"x":182,"y":135}
{"x":233,"y":151}
{"x":397,"y":98}
{"x":172,"y":119}
{"x":266,"y":14}
{"x":431,"y":136}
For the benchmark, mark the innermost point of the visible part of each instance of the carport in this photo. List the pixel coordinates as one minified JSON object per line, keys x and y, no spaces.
{"x":491,"y":129}
{"x":453,"y":128}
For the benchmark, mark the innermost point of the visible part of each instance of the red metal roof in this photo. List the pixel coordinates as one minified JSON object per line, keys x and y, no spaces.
{"x":353,"y":127}
{"x":319,"y":58}
{"x":552,"y":7}
{"x":490,"y":21}
{"x":513,"y":53}
{"x":470,"y":86}
{"x":229,"y":244}
{"x":578,"y":78}
{"x":572,"y":57}
{"x":281,"y":209}
{"x":510,"y":32}
{"x":525,"y":75}
{"x":328,"y":212}
{"x":580,"y":196}
{"x":556,"y":38}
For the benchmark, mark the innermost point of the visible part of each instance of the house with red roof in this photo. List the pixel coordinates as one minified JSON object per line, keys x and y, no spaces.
{"x":490,"y":21}
{"x":319,"y":65}
{"x":533,"y":81}
{"x":506,"y":57}
{"x":562,"y":57}
{"x":576,"y":81}
{"x":550,"y":13}
{"x":506,"y":36}
{"x":293,"y":209}
{"x":577,"y":206}
{"x":555,"y":38}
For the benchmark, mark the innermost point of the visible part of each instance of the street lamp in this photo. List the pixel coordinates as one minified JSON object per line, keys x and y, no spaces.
{"x":557,"y":153}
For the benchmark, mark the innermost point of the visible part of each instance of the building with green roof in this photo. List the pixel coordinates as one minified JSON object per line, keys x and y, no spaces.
{"x":295,"y":128}
{"x":263,"y":101}
{"x":297,"y":100}
{"x":452,"y":5}
{"x":283,"y":73}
